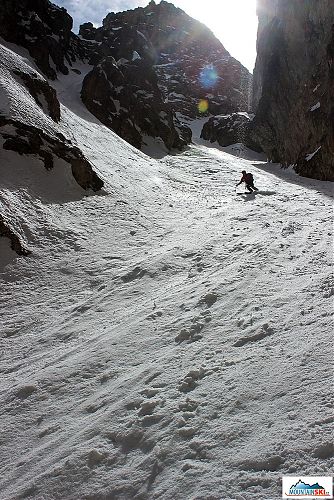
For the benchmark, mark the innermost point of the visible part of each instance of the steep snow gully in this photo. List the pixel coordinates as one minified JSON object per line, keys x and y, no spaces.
{"x":167,"y":338}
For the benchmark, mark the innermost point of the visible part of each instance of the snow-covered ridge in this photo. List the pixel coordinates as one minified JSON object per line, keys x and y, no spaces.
{"x":29,"y":116}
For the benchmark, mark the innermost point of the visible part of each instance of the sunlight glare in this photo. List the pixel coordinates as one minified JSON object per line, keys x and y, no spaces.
{"x":203,"y":106}
{"x":234,"y":22}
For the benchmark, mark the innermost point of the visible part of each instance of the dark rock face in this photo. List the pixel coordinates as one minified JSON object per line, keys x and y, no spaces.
{"x":15,"y":241}
{"x":122,"y":90}
{"x":26,"y":139}
{"x":230,"y":129}
{"x":191,"y":63}
{"x":125,"y":97}
{"x":153,"y":63}
{"x":45,"y":30}
{"x":40,"y":89}
{"x":294,"y":85}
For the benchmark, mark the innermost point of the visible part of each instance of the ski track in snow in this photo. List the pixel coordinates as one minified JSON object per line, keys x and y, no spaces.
{"x":167,"y":338}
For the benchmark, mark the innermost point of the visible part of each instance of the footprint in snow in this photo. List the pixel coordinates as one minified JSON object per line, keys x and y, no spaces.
{"x":154,"y":316}
{"x":208,"y":299}
{"x":136,"y":273}
{"x":265,"y":331}
{"x":148,"y":413}
{"x":147,"y":407}
{"x":192,"y":334}
{"x":258,"y":464}
{"x":128,"y":440}
{"x":190,"y":381}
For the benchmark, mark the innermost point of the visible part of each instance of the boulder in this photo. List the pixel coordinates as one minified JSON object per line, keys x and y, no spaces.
{"x":230,"y":129}
{"x":87,"y":31}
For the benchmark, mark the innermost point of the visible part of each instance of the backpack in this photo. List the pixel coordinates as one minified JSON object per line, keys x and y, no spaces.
{"x":249,"y":178}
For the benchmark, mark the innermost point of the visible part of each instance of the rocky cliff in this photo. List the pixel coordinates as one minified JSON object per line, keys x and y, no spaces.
{"x":44,"y":30}
{"x":191,"y":63}
{"x":294,"y":85}
{"x":124,"y":95}
{"x":159,"y":63}
{"x":153,"y":68}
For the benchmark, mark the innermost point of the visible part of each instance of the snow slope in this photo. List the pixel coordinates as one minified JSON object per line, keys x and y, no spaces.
{"x":168,"y":338}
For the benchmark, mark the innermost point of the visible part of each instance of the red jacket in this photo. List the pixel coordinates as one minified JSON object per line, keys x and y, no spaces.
{"x":247,"y":178}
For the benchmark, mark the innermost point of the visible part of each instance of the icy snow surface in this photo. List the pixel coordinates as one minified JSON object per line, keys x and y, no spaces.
{"x":11,"y":87}
{"x":168,"y":338}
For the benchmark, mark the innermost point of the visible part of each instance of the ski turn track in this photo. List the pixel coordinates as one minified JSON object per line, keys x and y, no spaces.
{"x":167,"y":339}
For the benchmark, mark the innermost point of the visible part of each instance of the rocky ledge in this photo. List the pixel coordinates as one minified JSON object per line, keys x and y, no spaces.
{"x":29,"y":140}
{"x":15,"y":241}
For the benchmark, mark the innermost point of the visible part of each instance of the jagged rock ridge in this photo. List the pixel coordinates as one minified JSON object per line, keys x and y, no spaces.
{"x":190,"y":61}
{"x":294,"y":85}
{"x":154,"y":63}
{"x":45,"y":31}
{"x":152,"y":66}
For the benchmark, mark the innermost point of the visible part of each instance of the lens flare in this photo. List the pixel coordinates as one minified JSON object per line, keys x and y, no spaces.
{"x":208,"y":76}
{"x":203,"y":106}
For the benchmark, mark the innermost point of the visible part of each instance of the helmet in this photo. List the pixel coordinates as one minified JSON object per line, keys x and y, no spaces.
{"x":243,"y":172}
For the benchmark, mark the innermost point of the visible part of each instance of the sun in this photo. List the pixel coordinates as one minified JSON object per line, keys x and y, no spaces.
{"x":234,"y":22}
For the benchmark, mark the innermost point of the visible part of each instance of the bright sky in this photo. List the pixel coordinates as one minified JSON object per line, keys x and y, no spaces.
{"x":234,"y":22}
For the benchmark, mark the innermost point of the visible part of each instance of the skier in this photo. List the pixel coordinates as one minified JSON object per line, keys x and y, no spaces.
{"x":247,"y":178}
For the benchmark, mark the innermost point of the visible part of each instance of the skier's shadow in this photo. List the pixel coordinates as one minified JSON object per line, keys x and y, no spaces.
{"x":248,"y":197}
{"x":252,"y":196}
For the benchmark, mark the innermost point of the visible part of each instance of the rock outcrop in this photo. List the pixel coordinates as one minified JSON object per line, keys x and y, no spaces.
{"x":230,"y":129}
{"x":294,"y":85}
{"x":44,"y":30}
{"x":191,"y":63}
{"x":124,"y":95}
{"x":29,"y":116}
{"x":15,"y":241}
{"x":28,"y":140}
{"x":122,"y":89}
{"x":44,"y":95}
{"x":153,"y":64}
